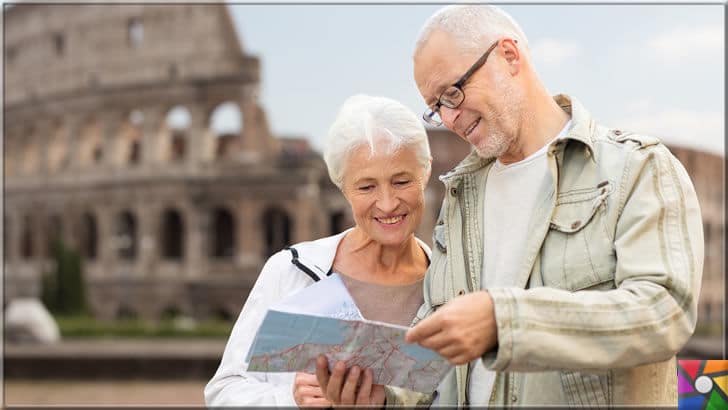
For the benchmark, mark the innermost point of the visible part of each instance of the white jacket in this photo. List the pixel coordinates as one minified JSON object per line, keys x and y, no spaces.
{"x":282,"y":275}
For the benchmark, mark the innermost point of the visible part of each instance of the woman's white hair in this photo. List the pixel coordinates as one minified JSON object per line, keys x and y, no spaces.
{"x":473,"y":27}
{"x":364,"y":120}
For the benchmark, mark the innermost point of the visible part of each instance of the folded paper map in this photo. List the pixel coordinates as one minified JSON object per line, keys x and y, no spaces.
{"x":290,"y":342}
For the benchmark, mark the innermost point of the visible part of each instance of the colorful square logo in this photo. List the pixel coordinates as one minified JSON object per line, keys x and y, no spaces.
{"x":702,"y":384}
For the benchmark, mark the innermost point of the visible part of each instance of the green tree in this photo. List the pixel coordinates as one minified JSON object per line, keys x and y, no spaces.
{"x":64,"y":291}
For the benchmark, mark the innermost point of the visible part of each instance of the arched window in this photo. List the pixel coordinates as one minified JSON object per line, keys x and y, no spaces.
{"x":91,"y":148}
{"x":172,"y":235}
{"x":26,"y":239}
{"x":132,"y":138}
{"x":226,"y":123}
{"x":58,"y":148}
{"x":135,"y":32}
{"x":89,"y":236}
{"x":277,"y":228}
{"x":222,"y":234}
{"x":126,"y":236}
{"x":178,"y":122}
{"x":31,"y":152}
{"x":54,"y":235}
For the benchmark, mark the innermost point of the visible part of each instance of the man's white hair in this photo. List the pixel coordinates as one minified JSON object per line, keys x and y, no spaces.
{"x":364,"y":120}
{"x":474,"y":27}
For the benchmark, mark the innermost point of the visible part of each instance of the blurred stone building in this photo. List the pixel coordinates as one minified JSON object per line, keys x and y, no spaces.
{"x":134,"y":134}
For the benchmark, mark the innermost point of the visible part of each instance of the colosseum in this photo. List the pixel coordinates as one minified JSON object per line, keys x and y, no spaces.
{"x":145,"y":148}
{"x":134,"y":134}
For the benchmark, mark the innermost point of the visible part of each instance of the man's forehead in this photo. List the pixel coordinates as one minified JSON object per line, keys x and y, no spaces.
{"x":439,"y":63}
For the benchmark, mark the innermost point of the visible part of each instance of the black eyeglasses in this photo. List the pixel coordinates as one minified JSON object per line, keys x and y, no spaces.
{"x":454,"y":95}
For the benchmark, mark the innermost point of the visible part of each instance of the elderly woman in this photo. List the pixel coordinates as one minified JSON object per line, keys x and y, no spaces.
{"x":378,"y":155}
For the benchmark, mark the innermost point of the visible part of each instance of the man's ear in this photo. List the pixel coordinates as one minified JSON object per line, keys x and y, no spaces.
{"x":512,"y":54}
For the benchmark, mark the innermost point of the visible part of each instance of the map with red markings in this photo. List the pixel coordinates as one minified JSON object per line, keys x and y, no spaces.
{"x":291,"y":342}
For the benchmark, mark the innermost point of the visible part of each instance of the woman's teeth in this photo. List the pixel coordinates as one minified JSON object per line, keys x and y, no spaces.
{"x":390,"y":221}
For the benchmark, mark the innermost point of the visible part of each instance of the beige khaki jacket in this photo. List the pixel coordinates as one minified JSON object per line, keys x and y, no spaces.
{"x":608,"y":290}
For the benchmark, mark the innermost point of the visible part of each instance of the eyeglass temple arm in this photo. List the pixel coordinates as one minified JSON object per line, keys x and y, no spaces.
{"x":477,"y":65}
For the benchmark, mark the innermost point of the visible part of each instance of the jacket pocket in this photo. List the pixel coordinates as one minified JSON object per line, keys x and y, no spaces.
{"x":586,"y":389}
{"x":578,"y":253}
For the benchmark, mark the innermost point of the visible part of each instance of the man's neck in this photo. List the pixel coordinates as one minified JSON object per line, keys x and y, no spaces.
{"x":542,"y":122}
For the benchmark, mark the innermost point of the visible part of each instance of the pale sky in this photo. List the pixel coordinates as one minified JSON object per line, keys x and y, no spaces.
{"x":653,"y":69}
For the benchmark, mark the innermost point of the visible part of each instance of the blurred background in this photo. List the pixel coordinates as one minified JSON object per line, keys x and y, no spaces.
{"x":156,"y":155}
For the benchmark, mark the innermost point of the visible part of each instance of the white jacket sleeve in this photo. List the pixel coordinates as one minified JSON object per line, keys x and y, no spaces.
{"x":232,"y":385}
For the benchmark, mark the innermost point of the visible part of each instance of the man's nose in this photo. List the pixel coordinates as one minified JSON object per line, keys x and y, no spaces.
{"x":449,"y":116}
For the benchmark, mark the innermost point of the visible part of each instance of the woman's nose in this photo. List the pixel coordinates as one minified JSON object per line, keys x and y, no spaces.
{"x":388,"y":200}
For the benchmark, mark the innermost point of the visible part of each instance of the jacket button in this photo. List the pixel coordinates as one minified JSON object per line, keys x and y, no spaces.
{"x":514,"y":398}
{"x":461,"y":292}
{"x":576,"y":224}
{"x":454,"y":191}
{"x":617,"y":132}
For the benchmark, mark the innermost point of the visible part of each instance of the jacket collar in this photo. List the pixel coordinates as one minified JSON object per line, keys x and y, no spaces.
{"x":582,"y":129}
{"x":582,"y":126}
{"x":319,"y":254}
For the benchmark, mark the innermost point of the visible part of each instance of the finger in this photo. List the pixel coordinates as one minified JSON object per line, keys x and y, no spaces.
{"x":348,"y":392}
{"x":322,"y":371}
{"x":365,"y":389}
{"x":436,"y":341}
{"x":450,"y":351}
{"x":307,"y":379}
{"x":377,"y":397}
{"x":310,"y":391}
{"x":333,"y":390}
{"x":460,"y":359}
{"x":423,"y":329}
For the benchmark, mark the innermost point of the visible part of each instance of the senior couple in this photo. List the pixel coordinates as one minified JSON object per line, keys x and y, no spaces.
{"x":567,"y":256}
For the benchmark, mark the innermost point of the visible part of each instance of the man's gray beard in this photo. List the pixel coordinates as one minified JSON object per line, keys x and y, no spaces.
{"x":497,"y":142}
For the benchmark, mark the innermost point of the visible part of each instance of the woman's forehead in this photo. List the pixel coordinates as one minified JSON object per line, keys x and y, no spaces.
{"x":363,"y":160}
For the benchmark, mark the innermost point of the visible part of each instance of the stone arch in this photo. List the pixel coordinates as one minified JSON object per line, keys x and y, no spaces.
{"x":126,"y":235}
{"x":129,"y":139}
{"x":58,"y":146}
{"x":31,"y":151}
{"x":90,"y":143}
{"x":226,"y":125}
{"x":13,"y":152}
{"x":277,"y":230}
{"x":27,"y":246}
{"x":176,"y":142}
{"x":222,"y":234}
{"x":89,"y":236}
{"x":171,"y":235}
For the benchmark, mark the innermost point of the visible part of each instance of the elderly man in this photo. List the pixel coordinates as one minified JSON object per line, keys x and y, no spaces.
{"x":568,"y":255}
